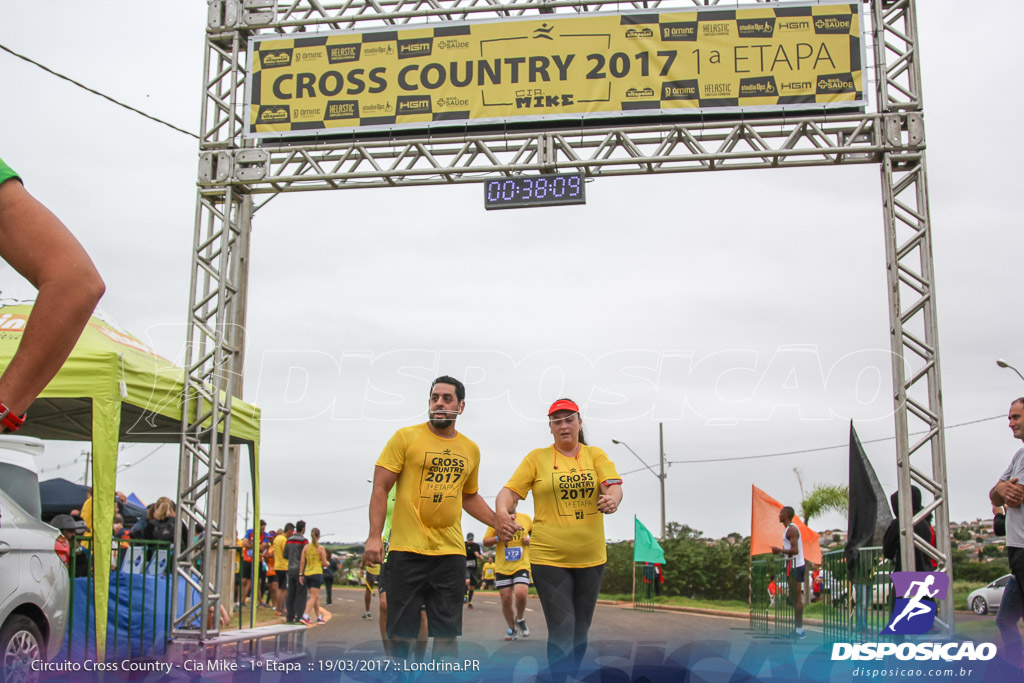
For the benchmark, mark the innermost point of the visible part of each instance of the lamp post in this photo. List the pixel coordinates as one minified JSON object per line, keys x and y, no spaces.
{"x":1003,"y":364}
{"x":661,"y":476}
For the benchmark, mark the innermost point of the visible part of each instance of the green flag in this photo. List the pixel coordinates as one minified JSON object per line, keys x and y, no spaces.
{"x":645,"y":546}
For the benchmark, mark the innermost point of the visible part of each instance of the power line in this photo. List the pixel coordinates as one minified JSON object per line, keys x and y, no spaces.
{"x":96,"y":92}
{"x":823,"y":448}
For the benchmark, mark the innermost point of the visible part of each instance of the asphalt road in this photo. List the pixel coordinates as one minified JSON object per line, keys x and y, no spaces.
{"x":620,"y":637}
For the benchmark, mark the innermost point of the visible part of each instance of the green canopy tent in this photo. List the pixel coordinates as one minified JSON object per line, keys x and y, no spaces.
{"x":112,"y":389}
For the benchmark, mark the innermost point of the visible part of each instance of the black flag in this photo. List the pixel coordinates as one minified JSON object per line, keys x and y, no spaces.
{"x":869,"y":514}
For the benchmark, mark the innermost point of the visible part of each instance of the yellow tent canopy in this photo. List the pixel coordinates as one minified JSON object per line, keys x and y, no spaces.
{"x":112,"y":389}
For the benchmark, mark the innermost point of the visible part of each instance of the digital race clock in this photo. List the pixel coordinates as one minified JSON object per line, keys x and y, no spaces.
{"x":534,"y":190}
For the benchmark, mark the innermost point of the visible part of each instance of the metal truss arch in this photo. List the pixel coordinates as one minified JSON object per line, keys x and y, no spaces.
{"x":234,"y":172}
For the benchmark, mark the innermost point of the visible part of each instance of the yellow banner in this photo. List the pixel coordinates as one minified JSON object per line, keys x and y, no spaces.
{"x":794,"y":57}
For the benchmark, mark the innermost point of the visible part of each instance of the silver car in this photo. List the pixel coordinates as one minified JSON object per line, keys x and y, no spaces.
{"x":987,"y":598}
{"x":34,"y":591}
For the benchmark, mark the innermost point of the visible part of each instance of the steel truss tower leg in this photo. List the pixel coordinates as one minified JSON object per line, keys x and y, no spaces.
{"x":208,"y":469}
{"x":917,"y":391}
{"x":918,"y":394}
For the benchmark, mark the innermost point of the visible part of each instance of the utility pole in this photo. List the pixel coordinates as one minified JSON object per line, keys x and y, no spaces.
{"x":661,"y":449}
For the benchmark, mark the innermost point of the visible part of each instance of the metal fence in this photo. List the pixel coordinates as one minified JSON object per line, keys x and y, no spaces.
{"x":646,"y":586}
{"x":771,"y":610}
{"x":857,"y":603}
{"x":138,"y":611}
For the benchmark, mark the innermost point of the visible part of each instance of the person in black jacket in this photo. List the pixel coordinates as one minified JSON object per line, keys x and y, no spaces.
{"x":891,"y":539}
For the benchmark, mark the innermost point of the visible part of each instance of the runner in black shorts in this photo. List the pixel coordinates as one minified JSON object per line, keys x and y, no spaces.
{"x":434,"y":469}
{"x":472,"y":572}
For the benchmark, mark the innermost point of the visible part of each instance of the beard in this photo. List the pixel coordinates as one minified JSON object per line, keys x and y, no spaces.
{"x":442,"y":422}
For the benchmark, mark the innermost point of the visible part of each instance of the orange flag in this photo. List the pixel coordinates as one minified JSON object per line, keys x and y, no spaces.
{"x":766,"y":530}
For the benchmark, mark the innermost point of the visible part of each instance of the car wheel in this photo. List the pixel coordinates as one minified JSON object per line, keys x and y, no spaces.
{"x":20,"y":645}
{"x":979,"y":605}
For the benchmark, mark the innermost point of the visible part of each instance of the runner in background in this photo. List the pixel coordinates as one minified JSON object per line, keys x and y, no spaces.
{"x":311,"y":574}
{"x":281,"y":567}
{"x":512,"y":574}
{"x":473,"y":554}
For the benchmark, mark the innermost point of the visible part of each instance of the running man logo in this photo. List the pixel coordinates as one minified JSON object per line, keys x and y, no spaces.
{"x":336,"y":54}
{"x":640,"y":33}
{"x":272,"y":59}
{"x":914,"y":613}
{"x":415,"y":47}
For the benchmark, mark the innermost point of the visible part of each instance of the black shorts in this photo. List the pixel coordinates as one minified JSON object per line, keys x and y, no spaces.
{"x":381,"y":586}
{"x":280,"y":578}
{"x":371,"y":581}
{"x":796,"y":574}
{"x":247,"y":570}
{"x":473,"y":576}
{"x":315,"y":581}
{"x":508,"y":580}
{"x":416,"y":580}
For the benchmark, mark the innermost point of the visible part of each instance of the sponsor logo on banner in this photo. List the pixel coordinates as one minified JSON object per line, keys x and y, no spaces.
{"x":274,"y":114}
{"x":793,"y":25}
{"x":336,"y":54}
{"x":413,"y":104}
{"x":685,"y":31}
{"x":796,"y":87}
{"x":645,"y":32}
{"x":276,"y":58}
{"x":415,"y":47}
{"x":835,"y":83}
{"x":341,"y":109}
{"x":680,"y":90}
{"x":710,"y":29}
{"x":376,"y":50}
{"x":640,"y":93}
{"x":755,"y":28}
{"x":840,"y":23}
{"x":714,"y":90}
{"x":762,"y":86}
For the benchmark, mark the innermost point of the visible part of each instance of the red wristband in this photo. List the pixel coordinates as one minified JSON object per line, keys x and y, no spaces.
{"x":10,"y":422}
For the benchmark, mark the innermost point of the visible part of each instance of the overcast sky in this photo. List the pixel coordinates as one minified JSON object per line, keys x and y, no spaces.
{"x":746,"y":311}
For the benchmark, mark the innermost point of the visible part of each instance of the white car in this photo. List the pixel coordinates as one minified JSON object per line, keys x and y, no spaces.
{"x":987,"y":598}
{"x":34,"y":590}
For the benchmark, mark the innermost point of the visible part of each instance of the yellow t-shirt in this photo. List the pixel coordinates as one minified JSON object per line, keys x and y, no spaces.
{"x":433,"y":474}
{"x":313,"y":563}
{"x":280,"y":563}
{"x":568,"y":529}
{"x":488,"y":571}
{"x":512,"y":556}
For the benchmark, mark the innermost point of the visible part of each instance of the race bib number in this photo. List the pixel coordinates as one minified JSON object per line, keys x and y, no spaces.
{"x":471,"y":564}
{"x":513,"y":554}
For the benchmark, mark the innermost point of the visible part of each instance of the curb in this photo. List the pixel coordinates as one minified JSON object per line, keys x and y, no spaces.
{"x":705,"y":611}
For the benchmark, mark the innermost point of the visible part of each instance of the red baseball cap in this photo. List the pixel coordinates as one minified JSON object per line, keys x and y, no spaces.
{"x":563,"y":404}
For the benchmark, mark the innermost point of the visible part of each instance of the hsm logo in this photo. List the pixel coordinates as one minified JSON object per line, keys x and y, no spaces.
{"x":914,"y":612}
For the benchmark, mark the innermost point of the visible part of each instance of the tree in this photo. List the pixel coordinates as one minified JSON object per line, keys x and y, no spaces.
{"x":823,"y":498}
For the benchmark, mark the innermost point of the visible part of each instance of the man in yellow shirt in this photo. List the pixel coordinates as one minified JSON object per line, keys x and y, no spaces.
{"x":435,"y":470}
{"x":281,"y":568}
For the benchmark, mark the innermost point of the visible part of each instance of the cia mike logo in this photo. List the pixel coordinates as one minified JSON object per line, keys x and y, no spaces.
{"x":914,"y":612}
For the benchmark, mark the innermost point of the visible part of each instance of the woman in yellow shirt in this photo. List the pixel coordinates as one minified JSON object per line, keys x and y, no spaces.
{"x":311,"y":572}
{"x":573,"y":486}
